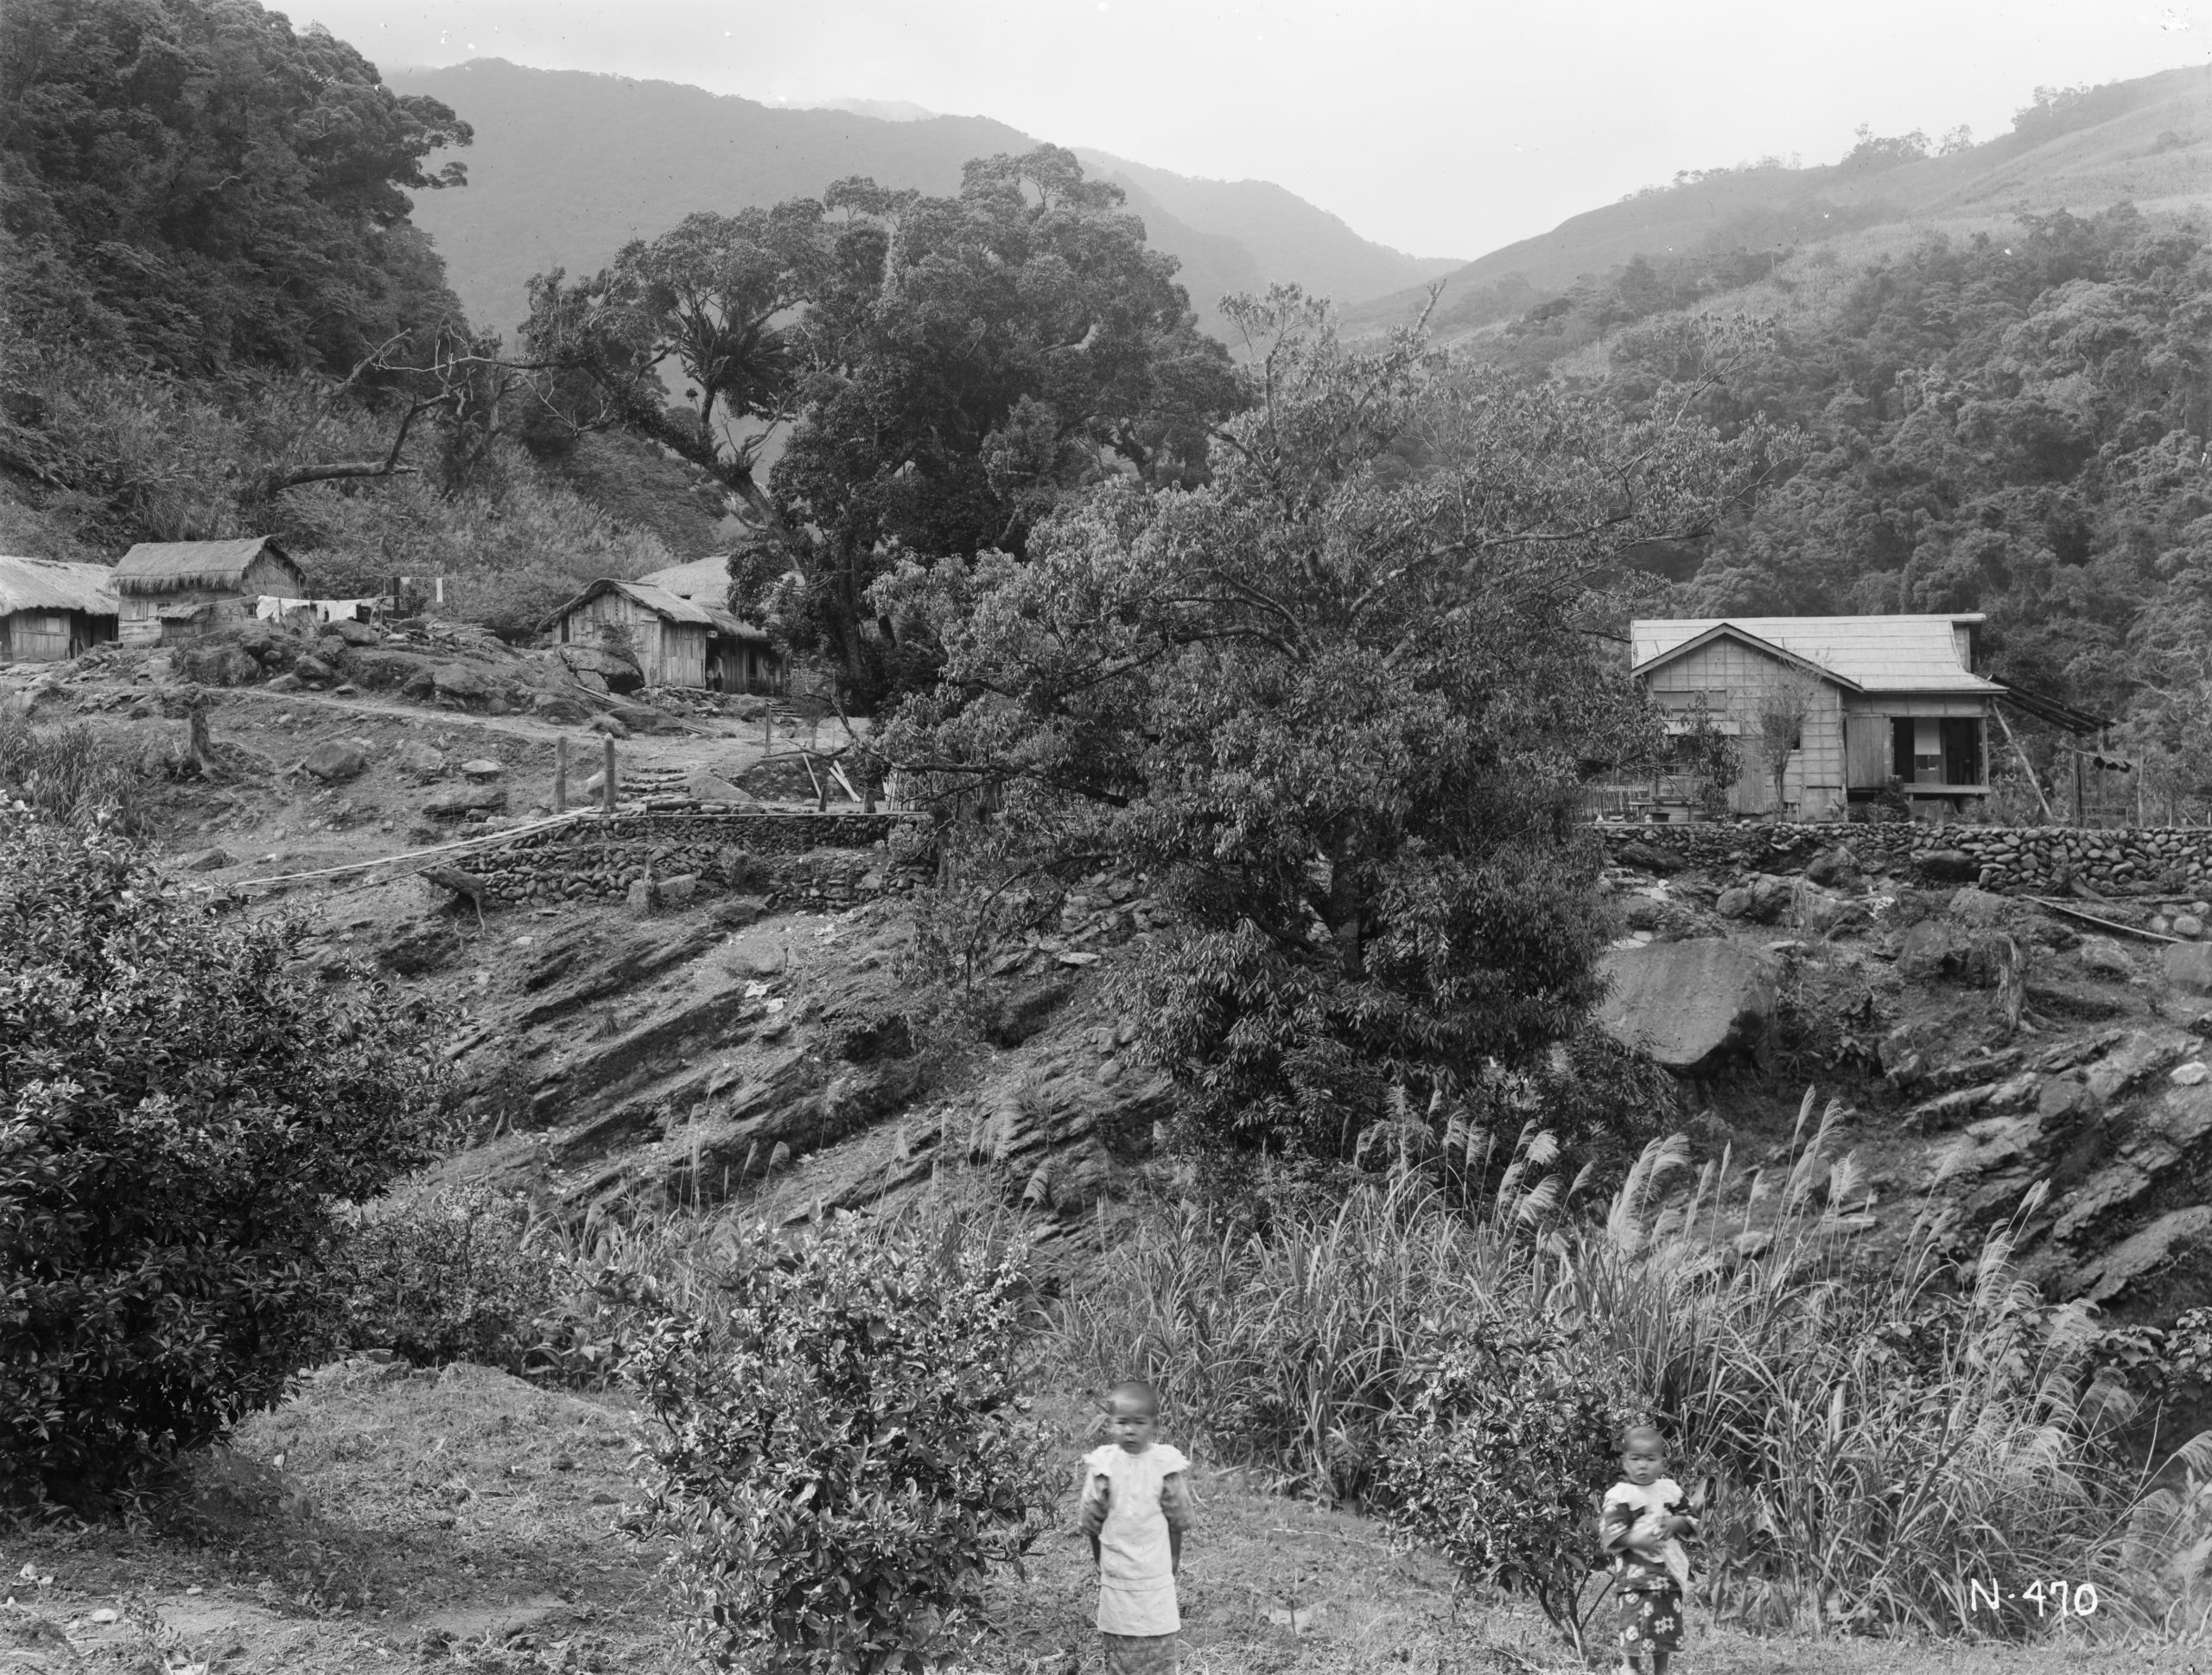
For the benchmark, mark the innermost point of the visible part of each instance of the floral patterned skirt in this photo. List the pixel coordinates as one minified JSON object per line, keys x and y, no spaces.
{"x":1139,"y":1654}
{"x":1651,"y":1618}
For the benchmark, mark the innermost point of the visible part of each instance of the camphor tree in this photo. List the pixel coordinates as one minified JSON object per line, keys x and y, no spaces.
{"x":1335,"y":703}
{"x":937,"y":371}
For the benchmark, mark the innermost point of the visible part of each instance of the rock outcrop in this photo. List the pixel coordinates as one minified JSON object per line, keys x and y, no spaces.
{"x":1690,"y":1005}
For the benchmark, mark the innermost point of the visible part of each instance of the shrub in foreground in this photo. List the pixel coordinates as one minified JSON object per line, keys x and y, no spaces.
{"x":448,"y":1274}
{"x":845,"y":1448}
{"x":181,"y":1111}
{"x":1497,"y":1454}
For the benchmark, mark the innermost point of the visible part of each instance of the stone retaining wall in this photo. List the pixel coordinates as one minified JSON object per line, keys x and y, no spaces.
{"x":2028,"y":860}
{"x":831,"y":859}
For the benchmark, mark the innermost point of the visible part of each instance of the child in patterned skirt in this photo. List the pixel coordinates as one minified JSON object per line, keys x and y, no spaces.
{"x":1136,"y":1503}
{"x":1644,"y":1516}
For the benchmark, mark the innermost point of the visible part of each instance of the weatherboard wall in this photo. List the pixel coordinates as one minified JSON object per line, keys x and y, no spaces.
{"x":1732,"y":678}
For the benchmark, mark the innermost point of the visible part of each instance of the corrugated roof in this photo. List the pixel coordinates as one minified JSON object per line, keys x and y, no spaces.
{"x":169,"y":566}
{"x":1878,"y":653}
{"x":669,"y":607}
{"x":705,"y":581}
{"x":48,"y":585}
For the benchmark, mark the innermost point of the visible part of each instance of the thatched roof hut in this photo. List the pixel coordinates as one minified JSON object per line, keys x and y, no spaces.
{"x":174,"y":590}
{"x":50,"y":610}
{"x":48,"y":585}
{"x":219,"y":567}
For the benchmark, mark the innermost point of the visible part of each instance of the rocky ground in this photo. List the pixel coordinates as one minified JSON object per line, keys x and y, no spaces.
{"x":761,"y":1047}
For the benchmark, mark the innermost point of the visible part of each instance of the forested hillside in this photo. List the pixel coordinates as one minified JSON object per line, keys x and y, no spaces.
{"x":2010,"y":424}
{"x":569,"y":165}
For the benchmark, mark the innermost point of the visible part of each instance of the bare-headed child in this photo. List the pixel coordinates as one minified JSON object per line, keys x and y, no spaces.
{"x":1644,"y":1517}
{"x":1136,"y":1503}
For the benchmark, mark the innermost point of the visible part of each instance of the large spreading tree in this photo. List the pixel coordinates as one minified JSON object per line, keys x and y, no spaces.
{"x":877,"y":374}
{"x":1337,"y":703}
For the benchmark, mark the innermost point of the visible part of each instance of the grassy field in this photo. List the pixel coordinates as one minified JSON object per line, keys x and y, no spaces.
{"x":467,"y":1520}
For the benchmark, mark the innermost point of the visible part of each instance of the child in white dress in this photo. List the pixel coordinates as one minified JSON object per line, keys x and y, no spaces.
{"x":1136,"y":1503}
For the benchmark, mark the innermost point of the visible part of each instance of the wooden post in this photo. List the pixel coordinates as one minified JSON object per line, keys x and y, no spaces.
{"x":561,"y":775}
{"x":2026,"y":768}
{"x":2078,"y":819}
{"x":607,"y":779}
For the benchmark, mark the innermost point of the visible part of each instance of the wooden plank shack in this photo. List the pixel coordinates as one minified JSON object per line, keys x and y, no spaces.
{"x":51,"y":611}
{"x":676,"y":641}
{"x":1883,"y":699}
{"x":172,"y":592}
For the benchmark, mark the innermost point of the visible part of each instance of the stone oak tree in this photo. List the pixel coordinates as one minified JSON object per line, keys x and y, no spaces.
{"x":930,"y":375}
{"x":1335,"y":703}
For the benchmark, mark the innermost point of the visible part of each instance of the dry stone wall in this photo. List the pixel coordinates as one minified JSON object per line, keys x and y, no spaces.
{"x":831,"y":859}
{"x":2027,"y":860}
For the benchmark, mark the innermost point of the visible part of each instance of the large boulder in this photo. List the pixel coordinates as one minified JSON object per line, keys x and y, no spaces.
{"x":465,"y":799}
{"x":461,"y":683}
{"x":2188,"y":967}
{"x":615,"y":673}
{"x":335,"y":759}
{"x":1690,"y":1005}
{"x":352,"y":633}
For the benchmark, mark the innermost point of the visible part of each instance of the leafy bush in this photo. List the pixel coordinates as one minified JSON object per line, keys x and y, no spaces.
{"x":1497,"y":1453}
{"x":180,"y":1111}
{"x":448,"y":1274}
{"x":847,"y":1449}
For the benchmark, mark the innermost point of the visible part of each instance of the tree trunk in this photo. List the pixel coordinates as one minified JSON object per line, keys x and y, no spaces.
{"x":1347,"y":914}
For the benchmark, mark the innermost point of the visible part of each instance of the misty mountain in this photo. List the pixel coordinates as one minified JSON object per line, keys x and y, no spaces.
{"x":568,"y":166}
{"x":2148,"y":142}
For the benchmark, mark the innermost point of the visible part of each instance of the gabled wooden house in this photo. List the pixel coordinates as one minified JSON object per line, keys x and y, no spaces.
{"x":1882,"y":698}
{"x":175,"y":591}
{"x":50,"y":611}
{"x":677,"y":640}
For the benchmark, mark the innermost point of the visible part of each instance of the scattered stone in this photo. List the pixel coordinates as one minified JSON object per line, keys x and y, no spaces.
{"x":677,"y":892}
{"x":352,"y":633}
{"x":337,"y":760}
{"x":613,"y":726}
{"x":712,"y":788}
{"x":1648,"y":857}
{"x":205,"y":860}
{"x":1734,"y":902}
{"x":483,"y":769}
{"x":1948,"y":866}
{"x":1690,"y":1003}
{"x":1080,"y":957}
{"x":465,"y":799}
{"x":417,"y":761}
{"x":1983,"y":909}
{"x":2189,"y":966}
{"x":285,"y":683}
{"x":2188,"y":925}
{"x":1933,"y":949}
{"x":2192,"y":1074}
{"x":312,"y":670}
{"x":559,"y":707}
{"x":639,"y":898}
{"x":735,"y":913}
{"x":1834,"y":867}
{"x":2106,"y":956}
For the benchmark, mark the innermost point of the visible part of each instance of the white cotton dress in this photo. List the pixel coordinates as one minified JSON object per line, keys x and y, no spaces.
{"x":1137,"y":1571}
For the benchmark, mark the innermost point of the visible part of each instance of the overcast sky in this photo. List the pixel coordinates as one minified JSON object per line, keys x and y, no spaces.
{"x":1443,"y":128}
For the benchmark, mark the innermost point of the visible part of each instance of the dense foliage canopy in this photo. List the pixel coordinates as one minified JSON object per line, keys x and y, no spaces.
{"x":1337,"y":702}
{"x":193,"y":181}
{"x":934,"y":373}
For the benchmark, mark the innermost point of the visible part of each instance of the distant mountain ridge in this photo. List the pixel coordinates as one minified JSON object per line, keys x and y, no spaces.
{"x":2147,"y":141}
{"x":568,"y":166}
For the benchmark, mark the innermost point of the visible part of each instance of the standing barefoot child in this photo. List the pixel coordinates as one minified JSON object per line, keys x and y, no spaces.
{"x":1136,"y":1503}
{"x":1645,"y":1514}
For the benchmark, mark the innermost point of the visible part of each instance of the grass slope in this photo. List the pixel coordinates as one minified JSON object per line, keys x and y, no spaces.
{"x":568,"y":166}
{"x":466,"y":1517}
{"x":2155,"y":152}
